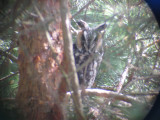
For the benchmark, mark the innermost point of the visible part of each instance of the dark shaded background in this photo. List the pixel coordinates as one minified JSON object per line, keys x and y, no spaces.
{"x":154,"y":113}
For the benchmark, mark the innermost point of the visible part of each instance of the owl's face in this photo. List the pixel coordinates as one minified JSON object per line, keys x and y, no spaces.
{"x":92,"y":38}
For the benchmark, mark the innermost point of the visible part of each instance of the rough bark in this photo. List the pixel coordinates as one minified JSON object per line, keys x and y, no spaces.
{"x":42,"y":85}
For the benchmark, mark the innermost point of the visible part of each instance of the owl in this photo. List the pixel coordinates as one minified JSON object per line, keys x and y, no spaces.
{"x":88,"y":52}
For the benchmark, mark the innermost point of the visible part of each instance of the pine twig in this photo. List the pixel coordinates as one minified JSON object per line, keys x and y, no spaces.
{"x":8,"y":76}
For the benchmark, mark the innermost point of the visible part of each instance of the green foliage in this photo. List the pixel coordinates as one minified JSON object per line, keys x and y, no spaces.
{"x":133,"y":22}
{"x":8,"y":86}
{"x":8,"y":45}
{"x":130,"y":35}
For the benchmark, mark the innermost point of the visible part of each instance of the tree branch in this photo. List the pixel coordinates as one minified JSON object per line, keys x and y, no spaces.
{"x":68,"y":53}
{"x":83,"y":8}
{"x":108,"y":94}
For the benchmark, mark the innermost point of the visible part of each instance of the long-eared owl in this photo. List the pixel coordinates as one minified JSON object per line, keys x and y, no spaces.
{"x":88,"y":52}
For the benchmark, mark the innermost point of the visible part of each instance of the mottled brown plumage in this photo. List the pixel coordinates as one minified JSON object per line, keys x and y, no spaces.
{"x":88,"y":52}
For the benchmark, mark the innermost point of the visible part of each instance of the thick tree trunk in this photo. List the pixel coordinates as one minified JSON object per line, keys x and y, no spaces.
{"x":42,"y":85}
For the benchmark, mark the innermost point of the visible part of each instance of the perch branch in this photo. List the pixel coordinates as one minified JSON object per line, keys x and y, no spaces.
{"x":107,"y":94}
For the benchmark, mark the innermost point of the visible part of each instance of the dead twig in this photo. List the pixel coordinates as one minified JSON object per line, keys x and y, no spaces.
{"x":85,"y":6}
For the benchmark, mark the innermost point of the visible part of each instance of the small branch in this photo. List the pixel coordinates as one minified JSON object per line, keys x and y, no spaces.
{"x":108,"y":94}
{"x":148,"y":38}
{"x":83,"y":65}
{"x":7,"y":99}
{"x":83,"y":8}
{"x":139,"y":3}
{"x":151,"y":44}
{"x":8,"y":76}
{"x":107,"y":88}
{"x":111,"y":18}
{"x":143,"y":94}
{"x":146,"y":78}
{"x":156,"y":59}
{"x":73,"y":30}
{"x":139,"y":78}
{"x":10,"y":56}
{"x":124,"y":75}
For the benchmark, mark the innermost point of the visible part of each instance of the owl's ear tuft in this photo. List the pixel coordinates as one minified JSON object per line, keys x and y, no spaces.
{"x":82,"y":24}
{"x":101,"y":27}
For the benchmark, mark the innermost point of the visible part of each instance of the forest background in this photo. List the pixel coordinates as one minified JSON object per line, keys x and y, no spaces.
{"x":130,"y":65}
